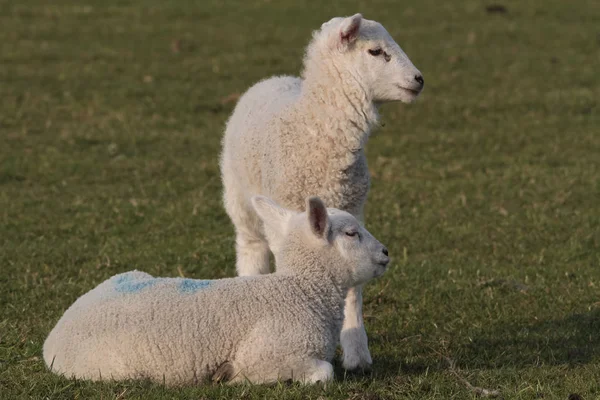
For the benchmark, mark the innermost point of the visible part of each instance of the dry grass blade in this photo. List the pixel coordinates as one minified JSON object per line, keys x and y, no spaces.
{"x":475,"y":389}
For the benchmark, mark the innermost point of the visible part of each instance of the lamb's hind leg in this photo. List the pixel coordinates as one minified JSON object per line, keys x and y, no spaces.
{"x":252,"y":253}
{"x":252,"y":250}
{"x":353,"y":339}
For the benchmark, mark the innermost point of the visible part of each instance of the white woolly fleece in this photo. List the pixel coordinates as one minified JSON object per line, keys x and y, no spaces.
{"x":181,"y":331}
{"x":259,"y":328}
{"x":291,"y":137}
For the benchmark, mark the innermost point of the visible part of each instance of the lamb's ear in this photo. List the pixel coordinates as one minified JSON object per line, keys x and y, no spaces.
{"x":331,"y":21}
{"x":349,"y":29}
{"x":272,"y":215}
{"x":318,"y":218}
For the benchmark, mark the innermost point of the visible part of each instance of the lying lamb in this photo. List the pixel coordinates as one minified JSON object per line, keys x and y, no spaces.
{"x":289,"y":138}
{"x":262,"y":328}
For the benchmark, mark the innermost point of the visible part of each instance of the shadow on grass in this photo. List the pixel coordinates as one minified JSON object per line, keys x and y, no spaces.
{"x":386,"y":367}
{"x":572,"y":340}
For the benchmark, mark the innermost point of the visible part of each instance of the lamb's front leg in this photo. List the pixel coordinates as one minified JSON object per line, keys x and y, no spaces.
{"x":314,"y":371}
{"x":307,"y":371}
{"x":355,"y":344}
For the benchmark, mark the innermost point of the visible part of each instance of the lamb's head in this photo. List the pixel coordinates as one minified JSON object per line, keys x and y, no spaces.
{"x":365,"y":50}
{"x":324,"y":237}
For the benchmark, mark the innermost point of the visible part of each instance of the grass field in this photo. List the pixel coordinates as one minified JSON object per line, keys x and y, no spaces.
{"x":486,"y":191}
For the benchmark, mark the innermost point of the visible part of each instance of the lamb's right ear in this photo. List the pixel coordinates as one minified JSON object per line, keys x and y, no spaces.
{"x":318,"y":217}
{"x":272,"y":215}
{"x":349,"y":29}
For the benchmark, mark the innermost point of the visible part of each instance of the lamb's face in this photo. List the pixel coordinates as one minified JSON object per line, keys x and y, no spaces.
{"x":367,"y":49}
{"x":330,"y":235}
{"x":391,"y":74}
{"x":366,"y":257}
{"x":340,"y":240}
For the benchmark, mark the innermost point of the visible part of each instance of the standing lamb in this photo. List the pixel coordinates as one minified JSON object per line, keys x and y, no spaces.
{"x":261,"y":328}
{"x":289,"y":138}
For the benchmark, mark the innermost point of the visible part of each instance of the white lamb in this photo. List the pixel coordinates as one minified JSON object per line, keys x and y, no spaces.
{"x":289,"y":138}
{"x":261,"y":328}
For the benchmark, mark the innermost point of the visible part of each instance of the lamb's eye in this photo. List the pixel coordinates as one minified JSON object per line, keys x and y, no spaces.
{"x":375,"y":52}
{"x":351,"y":233}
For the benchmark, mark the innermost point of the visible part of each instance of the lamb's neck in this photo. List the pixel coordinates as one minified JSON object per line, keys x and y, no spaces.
{"x":319,"y":282}
{"x":340,"y":103}
{"x":329,"y":296}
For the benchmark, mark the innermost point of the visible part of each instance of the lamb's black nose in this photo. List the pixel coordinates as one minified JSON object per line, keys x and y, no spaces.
{"x":419,"y":78}
{"x":385,"y":251}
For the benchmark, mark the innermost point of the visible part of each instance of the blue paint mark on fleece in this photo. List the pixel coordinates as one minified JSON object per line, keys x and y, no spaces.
{"x":125,"y":284}
{"x":193,"y":285}
{"x":129,"y":283}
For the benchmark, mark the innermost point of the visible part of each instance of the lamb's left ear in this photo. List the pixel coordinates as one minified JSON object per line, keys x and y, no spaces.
{"x":273,"y":216}
{"x":349,"y":29}
{"x":317,"y":217}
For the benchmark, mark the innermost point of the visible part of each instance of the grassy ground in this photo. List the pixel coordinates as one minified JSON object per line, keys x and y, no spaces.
{"x":486,"y":191}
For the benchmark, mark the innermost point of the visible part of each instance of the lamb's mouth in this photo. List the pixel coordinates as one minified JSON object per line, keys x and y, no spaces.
{"x":410,"y":91}
{"x":381,"y":270}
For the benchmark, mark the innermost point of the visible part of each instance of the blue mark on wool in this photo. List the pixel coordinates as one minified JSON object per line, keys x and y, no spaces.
{"x":126,"y":284}
{"x":193,"y":285}
{"x":130,"y":283}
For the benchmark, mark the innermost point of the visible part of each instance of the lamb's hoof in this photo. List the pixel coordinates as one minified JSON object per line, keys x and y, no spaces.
{"x":356,"y":364}
{"x":322,"y":374}
{"x":355,"y":348}
{"x":224,"y":373}
{"x":361,"y":369}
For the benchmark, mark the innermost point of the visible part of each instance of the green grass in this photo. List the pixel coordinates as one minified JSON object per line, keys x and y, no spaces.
{"x":486,"y":191}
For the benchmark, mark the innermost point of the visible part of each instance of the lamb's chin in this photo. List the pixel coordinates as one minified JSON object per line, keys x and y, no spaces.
{"x":408,"y":95}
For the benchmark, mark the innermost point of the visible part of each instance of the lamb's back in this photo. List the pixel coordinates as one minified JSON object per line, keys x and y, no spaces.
{"x":153,"y":326}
